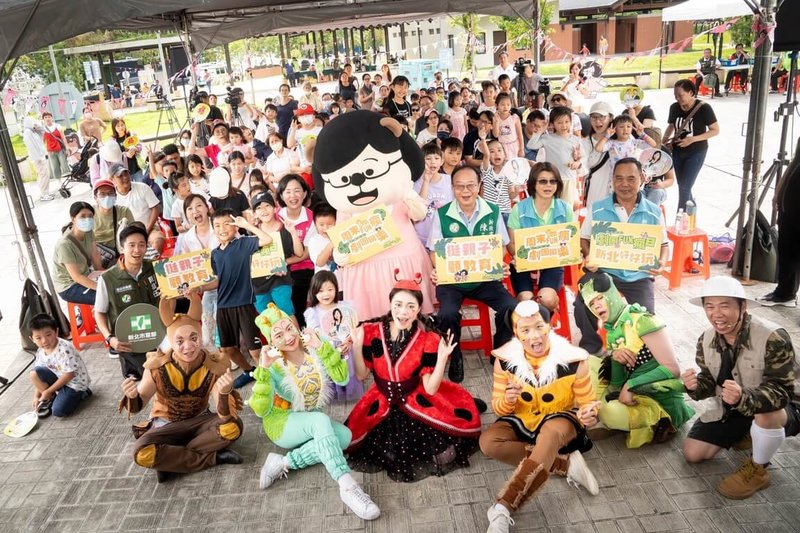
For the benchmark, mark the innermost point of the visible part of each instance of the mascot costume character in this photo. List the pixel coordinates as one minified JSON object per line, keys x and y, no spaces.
{"x":364,"y":160}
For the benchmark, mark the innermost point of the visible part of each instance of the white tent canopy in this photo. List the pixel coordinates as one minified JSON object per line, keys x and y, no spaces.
{"x":705,"y":9}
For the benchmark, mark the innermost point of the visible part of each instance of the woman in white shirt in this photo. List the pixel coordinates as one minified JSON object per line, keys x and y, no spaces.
{"x":280,"y":162}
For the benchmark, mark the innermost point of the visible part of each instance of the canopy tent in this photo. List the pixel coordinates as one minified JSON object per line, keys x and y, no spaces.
{"x":705,"y":10}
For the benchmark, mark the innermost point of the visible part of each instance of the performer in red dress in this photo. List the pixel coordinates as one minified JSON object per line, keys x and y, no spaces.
{"x":411,"y":423}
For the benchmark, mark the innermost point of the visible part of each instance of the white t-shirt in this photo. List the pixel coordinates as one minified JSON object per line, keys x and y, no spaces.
{"x":190,"y":242}
{"x":278,"y":165}
{"x":300,"y":137}
{"x":424,"y":137}
{"x":65,"y":358}
{"x":140,"y":200}
{"x":498,"y":71}
{"x":316,"y":243}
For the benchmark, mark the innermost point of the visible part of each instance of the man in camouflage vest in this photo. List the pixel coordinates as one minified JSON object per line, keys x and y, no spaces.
{"x":749,"y":373}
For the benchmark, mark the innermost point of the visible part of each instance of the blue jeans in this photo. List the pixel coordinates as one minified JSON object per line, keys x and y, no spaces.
{"x":492,"y":293}
{"x":281,"y":296}
{"x":657,"y":196}
{"x":67,"y":398}
{"x":687,"y":165}
{"x":78,"y":294}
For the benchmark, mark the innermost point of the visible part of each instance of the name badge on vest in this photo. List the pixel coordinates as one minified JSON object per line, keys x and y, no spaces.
{"x":454,"y":227}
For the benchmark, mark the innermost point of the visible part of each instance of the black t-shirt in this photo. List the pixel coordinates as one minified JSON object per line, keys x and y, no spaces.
{"x":471,"y":142}
{"x":238,"y":203}
{"x":285,"y":116}
{"x":398,"y":110}
{"x":646,"y":112}
{"x":265,"y":284}
{"x":702,"y":119}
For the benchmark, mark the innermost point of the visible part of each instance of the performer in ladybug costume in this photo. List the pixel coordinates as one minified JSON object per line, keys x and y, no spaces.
{"x":411,"y":423}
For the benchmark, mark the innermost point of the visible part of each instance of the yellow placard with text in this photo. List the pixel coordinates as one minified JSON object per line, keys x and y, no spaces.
{"x":269,"y":260}
{"x":625,"y":246}
{"x":550,"y":246}
{"x":365,"y":235}
{"x":469,"y":259}
{"x":184,"y":271}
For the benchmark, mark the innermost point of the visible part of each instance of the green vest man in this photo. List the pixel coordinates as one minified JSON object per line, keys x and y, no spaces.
{"x":469,"y":215}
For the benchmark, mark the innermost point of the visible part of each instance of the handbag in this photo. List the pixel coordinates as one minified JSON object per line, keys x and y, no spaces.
{"x":764,"y":259}
{"x":33,"y":304}
{"x":683,"y":126}
{"x":108,"y":255}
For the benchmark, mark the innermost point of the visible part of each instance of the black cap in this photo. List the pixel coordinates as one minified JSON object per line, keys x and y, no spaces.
{"x":262,"y":198}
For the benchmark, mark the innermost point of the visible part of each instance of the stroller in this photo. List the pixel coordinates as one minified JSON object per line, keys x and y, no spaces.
{"x":80,"y":170}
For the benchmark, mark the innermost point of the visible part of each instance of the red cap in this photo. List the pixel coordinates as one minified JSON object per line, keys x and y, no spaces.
{"x":407,"y":284}
{"x":304,"y":109}
{"x":102,"y":183}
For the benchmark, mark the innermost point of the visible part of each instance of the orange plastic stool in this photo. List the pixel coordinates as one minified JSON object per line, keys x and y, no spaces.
{"x":682,"y":263}
{"x":484,"y":322}
{"x":87,"y":332}
{"x":572,"y":273}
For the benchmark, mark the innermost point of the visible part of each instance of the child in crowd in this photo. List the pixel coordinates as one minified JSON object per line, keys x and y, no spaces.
{"x":275,"y":289}
{"x":452,"y":148}
{"x":655,"y":187}
{"x":619,"y":141}
{"x":59,"y":376}
{"x":236,"y":313}
{"x":434,"y":188}
{"x":457,"y":115}
{"x":495,"y":186}
{"x":238,"y":144}
{"x":320,"y":247}
{"x":181,"y":188}
{"x":535,"y":124}
{"x":504,"y":81}
{"x":259,"y":147}
{"x":198,"y":180}
{"x":268,"y":124}
{"x":429,"y":133}
{"x":506,"y":128}
{"x":280,"y":162}
{"x":444,"y":130}
{"x":488,"y":93}
{"x":562,"y":149}
{"x":472,"y":140}
{"x":156,"y":243}
{"x":333,"y":319}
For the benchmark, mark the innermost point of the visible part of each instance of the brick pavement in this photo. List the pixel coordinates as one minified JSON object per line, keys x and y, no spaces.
{"x":77,"y":475}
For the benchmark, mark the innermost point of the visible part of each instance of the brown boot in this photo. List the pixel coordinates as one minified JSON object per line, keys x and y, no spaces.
{"x":746,"y":481}
{"x":560,"y":465}
{"x":745,"y":443}
{"x":524,"y":483}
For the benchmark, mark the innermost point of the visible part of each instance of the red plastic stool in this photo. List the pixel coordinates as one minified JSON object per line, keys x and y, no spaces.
{"x":87,"y":332}
{"x":484,"y":322}
{"x":563,"y":328}
{"x":682,"y":263}
{"x":572,"y":273}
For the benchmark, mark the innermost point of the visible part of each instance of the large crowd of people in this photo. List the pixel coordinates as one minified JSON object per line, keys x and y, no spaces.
{"x":246,"y":178}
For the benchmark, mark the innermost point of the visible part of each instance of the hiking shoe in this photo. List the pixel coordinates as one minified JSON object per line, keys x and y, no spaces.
{"x":244,"y":378}
{"x":359,"y":502}
{"x":274,"y":468}
{"x":499,"y":521}
{"x":745,"y":443}
{"x":44,"y":409}
{"x":456,"y":371}
{"x":769,"y":300}
{"x":578,"y":473}
{"x":746,"y":481}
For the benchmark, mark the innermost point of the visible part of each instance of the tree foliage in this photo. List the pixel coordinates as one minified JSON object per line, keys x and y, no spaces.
{"x":742,"y":31}
{"x":469,"y":23}
{"x":519,"y":28}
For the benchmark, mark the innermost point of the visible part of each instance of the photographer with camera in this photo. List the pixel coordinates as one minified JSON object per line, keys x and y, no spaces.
{"x":240,"y":113}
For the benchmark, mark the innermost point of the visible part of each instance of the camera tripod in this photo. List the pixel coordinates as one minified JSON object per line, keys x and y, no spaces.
{"x":775,"y":171}
{"x":167,"y":110}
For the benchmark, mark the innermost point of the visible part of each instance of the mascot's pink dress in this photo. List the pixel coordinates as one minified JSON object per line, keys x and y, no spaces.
{"x":363,"y":160}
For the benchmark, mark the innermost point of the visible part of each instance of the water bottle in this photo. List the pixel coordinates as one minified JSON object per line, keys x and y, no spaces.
{"x":684,"y":225}
{"x":678,"y":219}
{"x":691,"y":212}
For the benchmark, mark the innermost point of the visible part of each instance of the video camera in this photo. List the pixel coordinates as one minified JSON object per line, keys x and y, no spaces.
{"x":544,"y":87}
{"x":232,"y":97}
{"x":520,"y":64}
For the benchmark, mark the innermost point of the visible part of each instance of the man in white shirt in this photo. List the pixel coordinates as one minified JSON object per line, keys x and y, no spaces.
{"x":32,"y":137}
{"x":138,"y":197}
{"x":505,"y":67}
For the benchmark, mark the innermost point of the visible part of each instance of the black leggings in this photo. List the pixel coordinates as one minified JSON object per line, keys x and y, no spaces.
{"x":301,"y":280}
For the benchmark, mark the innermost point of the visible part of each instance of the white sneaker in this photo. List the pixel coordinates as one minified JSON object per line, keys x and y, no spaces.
{"x":274,"y":468}
{"x":112,"y":355}
{"x":499,"y":521}
{"x":359,"y":502}
{"x":578,"y":473}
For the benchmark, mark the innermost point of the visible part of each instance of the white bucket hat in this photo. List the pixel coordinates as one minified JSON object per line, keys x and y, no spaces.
{"x":721,"y":286}
{"x":219,"y":182}
{"x":110,"y":152}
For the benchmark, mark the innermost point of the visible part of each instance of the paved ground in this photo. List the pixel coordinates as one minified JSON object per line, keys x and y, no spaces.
{"x":77,"y":474}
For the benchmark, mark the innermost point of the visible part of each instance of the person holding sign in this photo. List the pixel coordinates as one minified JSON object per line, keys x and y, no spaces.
{"x":542,"y":207}
{"x":544,"y":397}
{"x":131,"y":281}
{"x":236,"y":313}
{"x":294,"y":382}
{"x":412,"y":423}
{"x":469,"y":215}
{"x":637,"y":384}
{"x":625,"y":204}
{"x":182,"y":436}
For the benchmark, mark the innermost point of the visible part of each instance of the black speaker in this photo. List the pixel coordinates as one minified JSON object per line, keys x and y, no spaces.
{"x":787,"y":38}
{"x":176,"y":59}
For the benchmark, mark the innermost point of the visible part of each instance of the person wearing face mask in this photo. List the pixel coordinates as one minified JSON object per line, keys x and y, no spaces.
{"x":75,"y":257}
{"x":185,"y":140}
{"x":109,"y":219}
{"x":280,"y":162}
{"x":303,"y":129}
